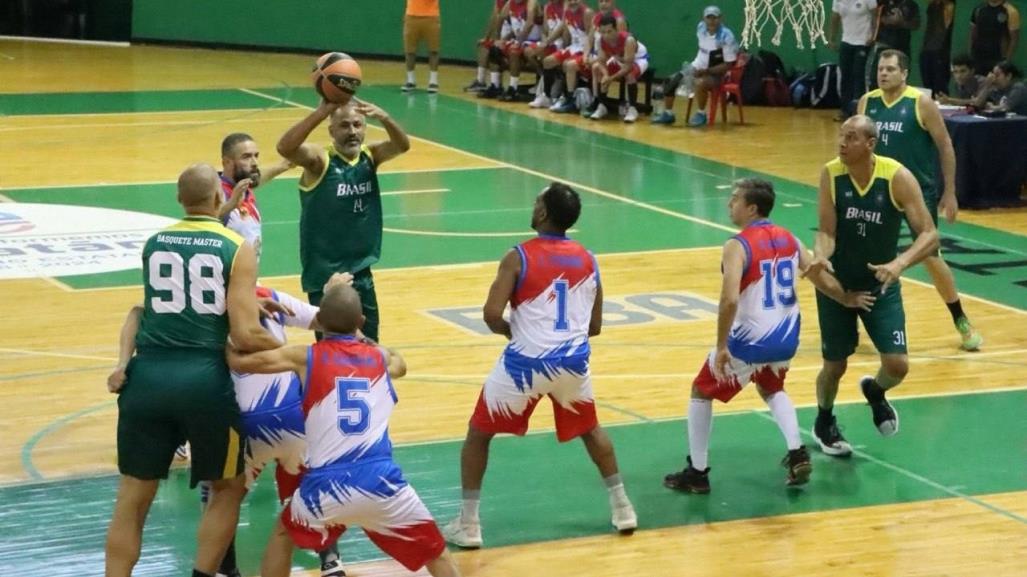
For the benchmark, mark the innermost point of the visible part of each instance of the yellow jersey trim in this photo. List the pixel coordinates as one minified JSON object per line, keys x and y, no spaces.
{"x":206,"y":224}
{"x":887,"y":168}
{"x":835,"y":168}
{"x":329,"y":152}
{"x":231,"y":469}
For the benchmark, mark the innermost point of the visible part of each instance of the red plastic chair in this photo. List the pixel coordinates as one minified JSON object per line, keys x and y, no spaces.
{"x":730,"y":86}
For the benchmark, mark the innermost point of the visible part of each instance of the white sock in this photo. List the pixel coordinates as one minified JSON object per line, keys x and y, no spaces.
{"x":469,"y":506}
{"x":494,"y":78}
{"x":700,"y":425}
{"x":481,"y":74}
{"x":515,"y":81}
{"x":784,"y":414}
{"x":540,"y":87}
{"x":410,"y":77}
{"x":433,"y":77}
{"x":618,"y":497}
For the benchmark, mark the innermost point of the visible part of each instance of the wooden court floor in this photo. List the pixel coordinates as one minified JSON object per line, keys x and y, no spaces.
{"x":110,"y":128}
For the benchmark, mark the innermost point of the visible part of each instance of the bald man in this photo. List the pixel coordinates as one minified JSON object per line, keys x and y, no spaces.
{"x":351,"y":478}
{"x":862,"y":200}
{"x":341,"y":204}
{"x":199,"y":289}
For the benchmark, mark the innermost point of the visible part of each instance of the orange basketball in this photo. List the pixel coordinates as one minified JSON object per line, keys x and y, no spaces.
{"x":336,"y":77}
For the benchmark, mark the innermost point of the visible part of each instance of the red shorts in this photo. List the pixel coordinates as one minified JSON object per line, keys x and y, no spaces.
{"x":503,"y":407}
{"x":637,"y":69}
{"x":550,"y":49}
{"x":770,"y":377}
{"x":511,"y":47}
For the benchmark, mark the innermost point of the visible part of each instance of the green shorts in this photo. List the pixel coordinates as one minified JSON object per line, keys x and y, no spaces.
{"x":931,"y":200}
{"x":363,"y":282}
{"x":172,"y":396}
{"x":885,"y":323}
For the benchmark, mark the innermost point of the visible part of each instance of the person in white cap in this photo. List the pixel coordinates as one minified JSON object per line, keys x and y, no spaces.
{"x":718,"y":51}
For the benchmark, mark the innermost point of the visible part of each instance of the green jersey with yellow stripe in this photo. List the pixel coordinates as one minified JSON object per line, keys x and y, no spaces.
{"x":340,"y":219}
{"x":903,"y":136}
{"x":186,"y":271}
{"x":868,"y":222}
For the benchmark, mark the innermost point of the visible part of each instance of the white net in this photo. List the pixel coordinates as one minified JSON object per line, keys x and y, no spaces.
{"x":805,"y":16}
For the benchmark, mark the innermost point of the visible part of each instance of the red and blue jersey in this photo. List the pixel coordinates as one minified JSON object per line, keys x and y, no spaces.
{"x":766,"y":327}
{"x":617,"y":48}
{"x":348,"y":400}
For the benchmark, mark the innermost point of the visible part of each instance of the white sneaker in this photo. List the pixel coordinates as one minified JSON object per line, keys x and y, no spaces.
{"x":631,"y":115}
{"x":559,"y":103}
{"x":624,"y":519}
{"x":541,"y":101}
{"x":600,"y":112}
{"x":463,"y":534}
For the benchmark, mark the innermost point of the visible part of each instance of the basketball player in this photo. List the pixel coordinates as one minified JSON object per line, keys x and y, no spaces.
{"x":272,"y":421}
{"x":912,"y":132}
{"x":347,"y":400}
{"x":198,"y":279}
{"x":553,"y":40}
{"x":518,"y":28}
{"x":757,"y":331}
{"x":863,"y":198}
{"x":620,"y":56}
{"x":577,"y":18}
{"x":240,"y":159}
{"x":341,"y":204}
{"x":484,"y":48}
{"x":556,"y":300}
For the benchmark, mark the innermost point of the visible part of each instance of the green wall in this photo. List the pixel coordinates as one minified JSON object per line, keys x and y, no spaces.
{"x":667,"y":27}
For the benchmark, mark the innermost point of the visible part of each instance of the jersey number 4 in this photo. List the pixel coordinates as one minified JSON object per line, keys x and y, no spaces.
{"x":778,"y":282}
{"x":206,"y":285}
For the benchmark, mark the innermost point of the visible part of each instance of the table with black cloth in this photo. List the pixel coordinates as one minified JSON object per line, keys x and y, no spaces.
{"x":991,"y":159}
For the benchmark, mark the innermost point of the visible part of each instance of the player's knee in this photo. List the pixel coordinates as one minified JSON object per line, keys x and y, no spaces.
{"x":896,"y":366}
{"x":233,"y":488}
{"x":476,"y":436}
{"x":699,"y":395}
{"x":834,"y":370}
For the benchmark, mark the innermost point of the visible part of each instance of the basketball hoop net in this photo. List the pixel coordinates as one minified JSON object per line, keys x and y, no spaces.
{"x":806,"y":17}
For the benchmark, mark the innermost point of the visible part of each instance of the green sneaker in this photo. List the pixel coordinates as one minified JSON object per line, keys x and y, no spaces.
{"x":972,"y":340}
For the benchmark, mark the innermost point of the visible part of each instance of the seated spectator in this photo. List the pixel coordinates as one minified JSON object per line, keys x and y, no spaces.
{"x":718,"y":52}
{"x":1001,"y":92}
{"x":620,"y":56}
{"x":966,"y":84}
{"x":577,"y":17}
{"x":994,"y":34}
{"x":553,"y":40}
{"x":485,"y":45}
{"x":518,"y":28}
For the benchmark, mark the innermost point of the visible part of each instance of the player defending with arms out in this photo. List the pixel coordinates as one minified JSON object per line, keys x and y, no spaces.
{"x":912,"y":132}
{"x":757,"y":331}
{"x":341,"y":204}
{"x":556,"y":300}
{"x":347,"y":400}
{"x":199,"y":280}
{"x":863,"y":198}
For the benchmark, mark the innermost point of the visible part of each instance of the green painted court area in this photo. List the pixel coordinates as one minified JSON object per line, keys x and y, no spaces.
{"x":538,"y":490}
{"x":636,"y":197}
{"x":646,"y":193}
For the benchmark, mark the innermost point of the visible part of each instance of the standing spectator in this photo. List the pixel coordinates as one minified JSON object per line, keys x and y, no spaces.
{"x":895,"y":24}
{"x":855,"y":18}
{"x":421,"y":22}
{"x":937,"y":47}
{"x":994,"y":34}
{"x":967,"y":84}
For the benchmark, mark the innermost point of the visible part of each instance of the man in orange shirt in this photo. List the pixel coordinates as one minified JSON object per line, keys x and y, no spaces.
{"x":421,"y":22}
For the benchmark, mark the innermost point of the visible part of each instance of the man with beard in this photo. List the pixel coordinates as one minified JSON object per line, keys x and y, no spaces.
{"x":556,"y":304}
{"x":240,"y":159}
{"x":341,"y":204}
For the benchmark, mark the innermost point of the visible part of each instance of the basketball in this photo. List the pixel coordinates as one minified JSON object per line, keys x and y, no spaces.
{"x":336,"y":77}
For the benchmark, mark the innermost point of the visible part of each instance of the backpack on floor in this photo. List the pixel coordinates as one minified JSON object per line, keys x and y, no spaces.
{"x":827,"y":87}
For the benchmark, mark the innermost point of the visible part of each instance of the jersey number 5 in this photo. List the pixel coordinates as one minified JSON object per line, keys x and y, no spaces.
{"x":778,"y":282}
{"x":206,"y":283}
{"x":354,"y":413}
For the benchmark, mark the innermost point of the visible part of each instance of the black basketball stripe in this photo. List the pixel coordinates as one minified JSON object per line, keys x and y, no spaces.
{"x":333,"y":58}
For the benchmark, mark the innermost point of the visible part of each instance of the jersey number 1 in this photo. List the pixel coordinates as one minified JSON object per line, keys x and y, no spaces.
{"x":560,"y":288}
{"x":778,"y":282}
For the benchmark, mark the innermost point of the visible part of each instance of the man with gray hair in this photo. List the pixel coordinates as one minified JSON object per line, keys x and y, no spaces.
{"x":862,"y":200}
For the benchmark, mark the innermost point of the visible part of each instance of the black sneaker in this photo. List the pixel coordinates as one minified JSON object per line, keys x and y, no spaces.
{"x":689,"y":480}
{"x":509,"y":95}
{"x":798,"y":465}
{"x":433,"y":88}
{"x":475,"y":87}
{"x":830,"y":438}
{"x":408,"y":87}
{"x":333,"y":568}
{"x":492,"y":91}
{"x":885,"y":418}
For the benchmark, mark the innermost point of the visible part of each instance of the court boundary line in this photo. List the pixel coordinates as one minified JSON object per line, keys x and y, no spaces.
{"x":915,"y":476}
{"x":47,"y":40}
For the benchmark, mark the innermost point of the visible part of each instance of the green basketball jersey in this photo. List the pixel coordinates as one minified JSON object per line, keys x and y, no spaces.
{"x":340,"y":219}
{"x":902,"y":136}
{"x":868,"y":222}
{"x":186,"y":270}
